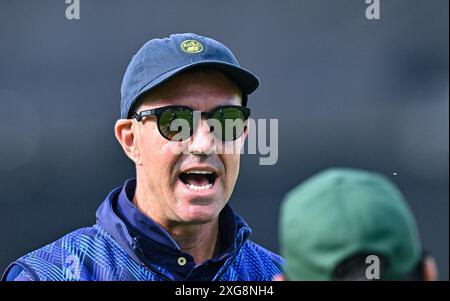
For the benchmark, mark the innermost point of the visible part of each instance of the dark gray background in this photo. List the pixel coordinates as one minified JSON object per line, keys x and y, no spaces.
{"x":347,"y":91}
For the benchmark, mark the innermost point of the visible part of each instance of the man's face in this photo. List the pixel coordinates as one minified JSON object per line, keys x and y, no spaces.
{"x":171,"y":178}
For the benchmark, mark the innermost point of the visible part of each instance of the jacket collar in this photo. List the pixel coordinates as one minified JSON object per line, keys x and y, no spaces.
{"x":108,"y":219}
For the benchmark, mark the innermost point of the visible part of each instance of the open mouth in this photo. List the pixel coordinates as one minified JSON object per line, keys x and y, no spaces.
{"x":198,"y":180}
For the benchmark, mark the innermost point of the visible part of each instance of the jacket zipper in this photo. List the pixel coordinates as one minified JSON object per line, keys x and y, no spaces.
{"x":229,"y":262}
{"x":141,"y":256}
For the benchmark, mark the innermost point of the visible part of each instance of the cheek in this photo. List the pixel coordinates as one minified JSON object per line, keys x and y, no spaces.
{"x":155,"y":154}
{"x":231,"y":163}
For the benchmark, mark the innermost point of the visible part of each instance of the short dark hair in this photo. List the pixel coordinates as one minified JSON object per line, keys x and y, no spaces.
{"x":354,"y":269}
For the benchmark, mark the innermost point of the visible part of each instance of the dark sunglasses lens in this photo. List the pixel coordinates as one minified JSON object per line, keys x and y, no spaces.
{"x":175,"y":124}
{"x":232,"y":121}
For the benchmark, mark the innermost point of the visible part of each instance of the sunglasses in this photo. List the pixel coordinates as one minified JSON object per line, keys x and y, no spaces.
{"x":176,"y":123}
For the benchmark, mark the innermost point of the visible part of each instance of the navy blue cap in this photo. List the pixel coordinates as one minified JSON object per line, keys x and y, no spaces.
{"x":161,"y":59}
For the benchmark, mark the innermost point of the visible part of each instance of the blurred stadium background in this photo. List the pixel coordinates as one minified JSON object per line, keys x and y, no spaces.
{"x":347,"y":92}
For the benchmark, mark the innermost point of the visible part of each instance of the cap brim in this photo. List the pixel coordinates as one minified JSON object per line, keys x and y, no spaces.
{"x":246,"y":80}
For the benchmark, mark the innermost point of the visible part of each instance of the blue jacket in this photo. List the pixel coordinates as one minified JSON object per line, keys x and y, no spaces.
{"x":107,"y":251}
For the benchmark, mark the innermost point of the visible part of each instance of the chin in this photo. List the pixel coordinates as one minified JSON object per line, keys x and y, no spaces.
{"x":200,"y":214}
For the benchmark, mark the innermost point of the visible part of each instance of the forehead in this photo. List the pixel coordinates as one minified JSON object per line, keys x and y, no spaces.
{"x":201,"y":89}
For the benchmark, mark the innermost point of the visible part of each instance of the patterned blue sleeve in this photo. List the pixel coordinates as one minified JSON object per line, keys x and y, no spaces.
{"x":17,"y":273}
{"x":23,"y":276}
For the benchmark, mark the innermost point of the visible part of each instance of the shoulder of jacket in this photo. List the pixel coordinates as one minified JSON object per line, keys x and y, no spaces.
{"x":51,"y":261}
{"x":251,"y":248}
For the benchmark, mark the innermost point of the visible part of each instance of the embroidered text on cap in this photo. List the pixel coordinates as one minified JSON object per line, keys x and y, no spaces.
{"x":191,"y":46}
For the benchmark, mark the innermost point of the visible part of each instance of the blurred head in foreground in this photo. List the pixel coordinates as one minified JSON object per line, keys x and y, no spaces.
{"x":347,"y":224}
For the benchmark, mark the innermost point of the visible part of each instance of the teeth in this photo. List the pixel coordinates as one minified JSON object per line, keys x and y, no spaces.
{"x":200,"y":172}
{"x":199,"y":188}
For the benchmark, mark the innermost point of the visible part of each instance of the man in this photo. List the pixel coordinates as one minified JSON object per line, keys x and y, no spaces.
{"x":348,"y":224}
{"x":172,"y":222}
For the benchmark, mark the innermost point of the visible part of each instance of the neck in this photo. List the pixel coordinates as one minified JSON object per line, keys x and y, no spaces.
{"x":201,"y":241}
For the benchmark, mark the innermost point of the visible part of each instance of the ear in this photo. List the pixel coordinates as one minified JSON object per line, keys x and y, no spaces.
{"x":430,"y":271}
{"x":279,"y":277}
{"x":242,"y":140}
{"x":125,"y":131}
{"x":245,"y":134}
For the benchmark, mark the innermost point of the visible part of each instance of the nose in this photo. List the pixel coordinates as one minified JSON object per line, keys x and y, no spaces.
{"x":202,"y":140}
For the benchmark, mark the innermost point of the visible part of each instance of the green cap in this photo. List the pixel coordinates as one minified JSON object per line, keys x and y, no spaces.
{"x":339,"y":213}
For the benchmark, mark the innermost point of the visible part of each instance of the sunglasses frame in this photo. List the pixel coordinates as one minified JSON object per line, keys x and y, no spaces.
{"x":208,"y":115}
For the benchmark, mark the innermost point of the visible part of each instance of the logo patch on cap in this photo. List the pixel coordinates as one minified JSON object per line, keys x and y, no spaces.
{"x":191,"y":46}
